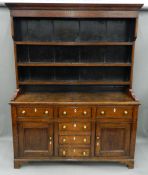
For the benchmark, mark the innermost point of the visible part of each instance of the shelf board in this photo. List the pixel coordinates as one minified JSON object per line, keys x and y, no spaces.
{"x":59,"y":43}
{"x":55,"y":64}
{"x":73,"y":82}
{"x":75,"y":97}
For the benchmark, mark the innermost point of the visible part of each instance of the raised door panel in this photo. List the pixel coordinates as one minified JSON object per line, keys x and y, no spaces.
{"x":35,"y":139}
{"x":112,"y":139}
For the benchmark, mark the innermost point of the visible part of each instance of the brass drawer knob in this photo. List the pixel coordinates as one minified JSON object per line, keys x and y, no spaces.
{"x":75,"y":110}
{"x":50,"y":138}
{"x":125,"y":112}
{"x":64,"y":152}
{"x":84,"y":140}
{"x":85,"y":112}
{"x":84,"y":153}
{"x":102,"y":112}
{"x":75,"y":125}
{"x":74,"y":138}
{"x":84,"y":126}
{"x":23,"y":112}
{"x":50,"y":142}
{"x":98,"y":143}
{"x":64,"y":140}
{"x":74,"y":150}
{"x":98,"y":138}
{"x":64,"y":126}
{"x":64,"y":113}
{"x":46,"y":112}
{"x":35,"y":110}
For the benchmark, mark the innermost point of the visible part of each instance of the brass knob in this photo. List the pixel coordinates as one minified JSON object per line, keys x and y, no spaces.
{"x":85,"y":112}
{"x":125,"y":112}
{"x":75,"y":125}
{"x":85,"y":126}
{"x":98,"y":143}
{"x":64,"y":140}
{"x":114,"y":110}
{"x":98,"y":138}
{"x":64,"y":152}
{"x":64,"y":126}
{"x":23,"y":112}
{"x":46,"y":112}
{"x":84,"y":153}
{"x":50,"y":138}
{"x":74,"y":138}
{"x":84,"y":140}
{"x":75,"y":110}
{"x":74,"y":150}
{"x":50,"y":142}
{"x":64,"y":113}
{"x":35,"y":110}
{"x":102,"y":112}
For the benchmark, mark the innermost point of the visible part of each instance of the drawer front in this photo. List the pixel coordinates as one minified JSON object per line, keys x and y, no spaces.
{"x":74,"y":152}
{"x":75,"y":126}
{"x":85,"y":140}
{"x":114,"y":112}
{"x":65,"y":112}
{"x":34,"y":112}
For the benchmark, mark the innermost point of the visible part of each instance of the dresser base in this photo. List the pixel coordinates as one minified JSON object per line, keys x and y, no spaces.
{"x":100,"y":130}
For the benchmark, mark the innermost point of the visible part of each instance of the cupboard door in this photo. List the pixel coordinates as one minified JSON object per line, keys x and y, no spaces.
{"x":112,"y":139}
{"x":35,"y":139}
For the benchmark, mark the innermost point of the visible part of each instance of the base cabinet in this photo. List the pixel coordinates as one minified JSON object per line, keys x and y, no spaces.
{"x":59,"y":135}
{"x":112,"y":139}
{"x":35,"y":139}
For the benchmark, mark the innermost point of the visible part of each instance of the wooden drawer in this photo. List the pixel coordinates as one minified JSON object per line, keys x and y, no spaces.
{"x":75,"y":126}
{"x":114,"y":112}
{"x":34,"y":111}
{"x":75,"y":112}
{"x":85,"y":140}
{"x":74,"y":152}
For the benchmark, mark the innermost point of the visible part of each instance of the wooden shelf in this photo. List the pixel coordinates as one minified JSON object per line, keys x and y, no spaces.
{"x":47,"y":64}
{"x":59,"y":43}
{"x":72,"y":82}
{"x":78,"y":97}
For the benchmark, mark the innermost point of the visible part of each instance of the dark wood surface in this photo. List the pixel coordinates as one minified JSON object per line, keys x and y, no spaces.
{"x":74,"y":68}
{"x":72,"y":82}
{"x":74,"y":43}
{"x":74,"y":64}
{"x":77,"y":97}
{"x":76,"y":6}
{"x":74,"y":10}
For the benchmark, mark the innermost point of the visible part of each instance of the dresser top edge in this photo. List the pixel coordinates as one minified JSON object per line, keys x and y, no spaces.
{"x":73,"y":6}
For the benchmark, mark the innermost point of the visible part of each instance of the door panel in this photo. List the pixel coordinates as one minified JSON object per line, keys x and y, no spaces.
{"x":35,"y":139}
{"x":112,"y":139}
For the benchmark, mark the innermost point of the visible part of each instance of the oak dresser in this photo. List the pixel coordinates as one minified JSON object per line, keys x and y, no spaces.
{"x":74,"y":72}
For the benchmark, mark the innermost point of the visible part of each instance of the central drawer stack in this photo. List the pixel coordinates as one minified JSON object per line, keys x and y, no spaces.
{"x":74,"y":131}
